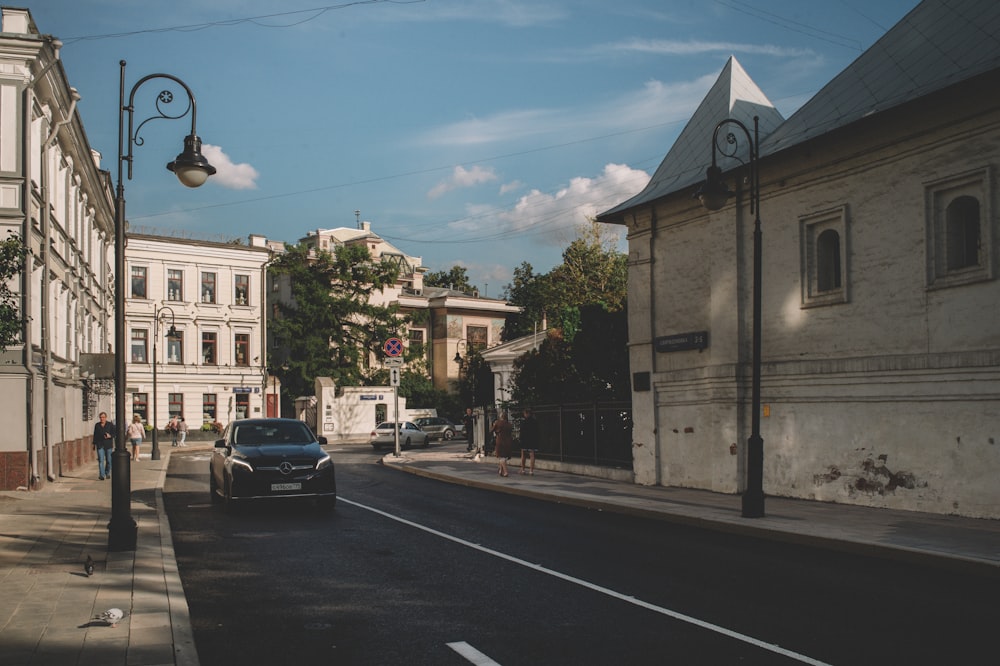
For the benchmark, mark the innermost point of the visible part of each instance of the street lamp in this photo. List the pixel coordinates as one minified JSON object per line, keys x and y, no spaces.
{"x":171,"y":335}
{"x":192,"y":170}
{"x":713,"y":195}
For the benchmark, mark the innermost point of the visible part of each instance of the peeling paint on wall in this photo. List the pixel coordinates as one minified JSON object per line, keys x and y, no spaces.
{"x":874,"y":478}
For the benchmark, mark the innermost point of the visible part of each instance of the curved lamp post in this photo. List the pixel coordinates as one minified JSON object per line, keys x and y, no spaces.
{"x":192,"y":170}
{"x":171,"y":335}
{"x":713,"y":195}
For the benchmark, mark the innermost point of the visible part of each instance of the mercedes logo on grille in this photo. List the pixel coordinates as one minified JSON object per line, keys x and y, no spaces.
{"x":285,"y":467}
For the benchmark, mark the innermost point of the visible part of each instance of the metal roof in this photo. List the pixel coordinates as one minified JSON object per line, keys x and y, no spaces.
{"x":939,"y":43}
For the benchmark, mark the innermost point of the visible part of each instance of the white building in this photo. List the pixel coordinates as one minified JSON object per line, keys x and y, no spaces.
{"x":213,"y":367}
{"x":54,"y":195}
{"x":881,"y":339}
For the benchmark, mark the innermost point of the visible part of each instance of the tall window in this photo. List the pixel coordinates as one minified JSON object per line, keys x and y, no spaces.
{"x":208,"y":412}
{"x":828,"y":261}
{"x":140,"y":406}
{"x":209,"y":348}
{"x":476,"y":337}
{"x":208,"y":287}
{"x":824,"y":268}
{"x":175,"y":404}
{"x":175,"y":348}
{"x":962,"y":220}
{"x":138,"y":282}
{"x":242,"y":405}
{"x":175,"y":284}
{"x":241,"y":342}
{"x":242,"y":289}
{"x":139,"y":342}
{"x":960,"y":228}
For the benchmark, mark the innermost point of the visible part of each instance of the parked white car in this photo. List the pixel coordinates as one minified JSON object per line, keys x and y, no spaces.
{"x":384,"y":435}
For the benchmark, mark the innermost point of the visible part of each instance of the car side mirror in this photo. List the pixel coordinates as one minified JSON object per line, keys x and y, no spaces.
{"x":322,"y":441}
{"x":220,"y":443}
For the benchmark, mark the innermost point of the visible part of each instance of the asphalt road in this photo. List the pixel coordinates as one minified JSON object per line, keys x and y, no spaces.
{"x":413,"y":571}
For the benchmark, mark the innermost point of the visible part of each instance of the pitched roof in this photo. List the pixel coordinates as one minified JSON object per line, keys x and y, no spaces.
{"x":939,"y":43}
{"x":734,"y":95}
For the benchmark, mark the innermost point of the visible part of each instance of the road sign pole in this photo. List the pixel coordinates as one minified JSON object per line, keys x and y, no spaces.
{"x":395,"y":407}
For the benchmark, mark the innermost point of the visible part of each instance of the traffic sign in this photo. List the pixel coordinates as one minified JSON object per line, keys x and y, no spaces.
{"x":394,"y":377}
{"x":393,"y":362}
{"x":393,"y":347}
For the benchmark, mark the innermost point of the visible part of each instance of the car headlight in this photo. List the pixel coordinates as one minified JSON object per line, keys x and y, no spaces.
{"x":323,"y":463}
{"x":242,"y":464}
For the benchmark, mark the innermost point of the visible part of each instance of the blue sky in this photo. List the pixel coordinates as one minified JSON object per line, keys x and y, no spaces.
{"x":478,"y":133}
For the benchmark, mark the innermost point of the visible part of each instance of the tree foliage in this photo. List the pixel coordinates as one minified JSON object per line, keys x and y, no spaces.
{"x":583,"y":301}
{"x":12,"y":254}
{"x":456,"y":278}
{"x":330,"y":328}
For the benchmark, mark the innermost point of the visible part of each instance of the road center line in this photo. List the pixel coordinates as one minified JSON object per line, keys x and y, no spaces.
{"x":770,"y":647}
{"x":471,"y":654}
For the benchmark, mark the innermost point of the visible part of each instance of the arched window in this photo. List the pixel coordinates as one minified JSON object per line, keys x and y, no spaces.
{"x":828,"y":261}
{"x":963,"y":234}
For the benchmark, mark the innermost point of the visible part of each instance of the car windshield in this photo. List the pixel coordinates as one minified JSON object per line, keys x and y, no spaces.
{"x":256,"y":434}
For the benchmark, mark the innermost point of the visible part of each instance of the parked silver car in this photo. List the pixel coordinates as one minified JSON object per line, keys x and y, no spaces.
{"x":438,"y":427}
{"x":409,"y":435}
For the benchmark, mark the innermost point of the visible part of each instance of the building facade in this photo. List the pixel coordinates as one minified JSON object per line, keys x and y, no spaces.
{"x":194,"y":312}
{"x":53,"y":195}
{"x":880,"y":377}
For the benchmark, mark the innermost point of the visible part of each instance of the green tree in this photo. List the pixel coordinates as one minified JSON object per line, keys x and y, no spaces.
{"x":330,"y":328}
{"x":529,"y":291}
{"x":456,"y":278}
{"x":12,"y":254}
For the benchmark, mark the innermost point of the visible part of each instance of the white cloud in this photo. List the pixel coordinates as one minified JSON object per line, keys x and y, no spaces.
{"x":510,"y":187}
{"x":553,"y":218}
{"x":462,"y":178}
{"x":229,"y":175}
{"x":675,"y":47}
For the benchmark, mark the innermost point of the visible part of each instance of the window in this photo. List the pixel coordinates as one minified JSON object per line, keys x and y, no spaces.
{"x":140,"y":406}
{"x":175,"y":284}
{"x":962,"y":229}
{"x":242,"y":344}
{"x":139,"y":342}
{"x":824,"y":276}
{"x":208,"y":413}
{"x":175,"y":348}
{"x":242,"y":289}
{"x":242,"y":405}
{"x":416,"y":343}
{"x":208,"y":287}
{"x":476,"y":337}
{"x":209,"y":348}
{"x":175,"y":404}
{"x":959,"y":234}
{"x":138,"y":282}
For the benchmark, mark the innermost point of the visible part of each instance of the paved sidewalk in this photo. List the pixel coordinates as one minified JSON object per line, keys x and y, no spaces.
{"x":48,"y":603}
{"x":966,"y":544}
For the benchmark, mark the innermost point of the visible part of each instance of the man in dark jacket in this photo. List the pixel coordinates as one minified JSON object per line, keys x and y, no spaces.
{"x":469,"y":422}
{"x":104,"y":442}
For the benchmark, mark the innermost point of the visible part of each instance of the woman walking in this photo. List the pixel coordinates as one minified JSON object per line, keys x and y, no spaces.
{"x":134,"y":433}
{"x":504,"y":442}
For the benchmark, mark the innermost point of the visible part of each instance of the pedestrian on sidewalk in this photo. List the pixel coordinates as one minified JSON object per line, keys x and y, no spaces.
{"x":104,"y":441}
{"x":504,"y":442}
{"x":135,"y":432}
{"x":469,"y":423}
{"x":529,"y":440}
{"x":182,"y":431}
{"x":172,"y":428}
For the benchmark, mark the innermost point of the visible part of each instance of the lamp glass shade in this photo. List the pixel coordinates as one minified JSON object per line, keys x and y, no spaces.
{"x":713,"y":193}
{"x":191,"y":167}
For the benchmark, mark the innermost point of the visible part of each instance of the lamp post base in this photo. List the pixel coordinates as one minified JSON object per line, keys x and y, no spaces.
{"x":122,"y":529}
{"x":154,"y":453}
{"x":753,"y":496}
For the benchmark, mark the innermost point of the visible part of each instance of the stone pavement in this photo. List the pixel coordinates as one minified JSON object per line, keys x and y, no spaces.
{"x":48,"y":603}
{"x":967,"y":544}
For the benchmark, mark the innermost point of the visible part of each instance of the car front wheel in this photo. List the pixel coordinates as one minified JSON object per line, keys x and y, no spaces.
{"x":213,"y":489}
{"x":449,"y":434}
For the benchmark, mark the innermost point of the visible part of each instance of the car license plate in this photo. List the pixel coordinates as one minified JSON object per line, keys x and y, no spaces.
{"x":275,"y":487}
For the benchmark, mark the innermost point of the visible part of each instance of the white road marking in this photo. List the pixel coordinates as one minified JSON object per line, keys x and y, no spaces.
{"x":471,"y":654}
{"x":770,"y":647}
